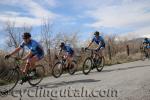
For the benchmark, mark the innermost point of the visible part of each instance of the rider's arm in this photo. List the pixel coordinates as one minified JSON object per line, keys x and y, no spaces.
{"x":15,"y":51}
{"x":27,"y":56}
{"x":60,"y":51}
{"x":89,"y":44}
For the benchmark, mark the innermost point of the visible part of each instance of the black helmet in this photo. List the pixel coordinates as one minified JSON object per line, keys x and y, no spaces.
{"x":62,"y":44}
{"x":96,"y":33}
{"x":145,"y":38}
{"x":26,"y":35}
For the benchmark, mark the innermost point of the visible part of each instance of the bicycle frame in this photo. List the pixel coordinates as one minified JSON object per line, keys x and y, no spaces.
{"x":93,"y":53}
{"x":63,"y":61}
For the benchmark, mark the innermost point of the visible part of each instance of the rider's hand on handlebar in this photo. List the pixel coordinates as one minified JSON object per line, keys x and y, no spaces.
{"x":56,"y":57}
{"x":17,"y":58}
{"x":96,"y":50}
{"x":86,"y":48}
{"x":7,"y":56}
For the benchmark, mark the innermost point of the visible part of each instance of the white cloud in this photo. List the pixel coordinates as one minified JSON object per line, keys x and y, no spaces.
{"x":124,"y":15}
{"x":35,"y":10}
{"x":142,"y":32}
{"x":20,"y":21}
{"x":8,"y":2}
{"x":48,"y":3}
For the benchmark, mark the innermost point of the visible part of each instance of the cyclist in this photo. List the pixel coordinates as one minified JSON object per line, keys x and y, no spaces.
{"x":69,"y":53}
{"x":146,"y":44}
{"x":100,"y":43}
{"x":35,"y":53}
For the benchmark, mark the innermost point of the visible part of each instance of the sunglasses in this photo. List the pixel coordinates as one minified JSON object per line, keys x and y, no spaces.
{"x":25,"y":38}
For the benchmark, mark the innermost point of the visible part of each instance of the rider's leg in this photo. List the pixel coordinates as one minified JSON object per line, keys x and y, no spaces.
{"x":26,"y":67}
{"x":33,"y":60}
{"x":95,"y":55}
{"x":30,"y":63}
{"x":24,"y":72}
{"x":69,"y":59}
{"x":101,"y":54}
{"x":148,"y":51}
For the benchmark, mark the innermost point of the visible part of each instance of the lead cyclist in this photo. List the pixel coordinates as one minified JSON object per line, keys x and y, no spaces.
{"x":35,"y":54}
{"x":99,"y":40}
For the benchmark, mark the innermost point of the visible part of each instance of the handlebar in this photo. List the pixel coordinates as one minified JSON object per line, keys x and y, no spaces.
{"x":59,"y":57}
{"x":16,"y":58}
{"x":87,"y":49}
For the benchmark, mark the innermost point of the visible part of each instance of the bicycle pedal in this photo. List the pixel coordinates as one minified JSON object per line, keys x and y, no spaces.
{"x":94,"y":67}
{"x":24,"y":79}
{"x":65,"y":69}
{"x":21,"y":82}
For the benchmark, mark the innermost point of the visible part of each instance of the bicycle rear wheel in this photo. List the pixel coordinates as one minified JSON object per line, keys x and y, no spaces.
{"x":87,"y":65}
{"x":100,"y":64}
{"x":38,"y":77}
{"x":72,"y":68}
{"x":57,"y":70}
{"x":8,"y":80}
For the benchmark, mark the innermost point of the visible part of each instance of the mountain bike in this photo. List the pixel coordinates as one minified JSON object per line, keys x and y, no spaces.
{"x":60,"y":67}
{"x":13,"y":75}
{"x":93,"y":61}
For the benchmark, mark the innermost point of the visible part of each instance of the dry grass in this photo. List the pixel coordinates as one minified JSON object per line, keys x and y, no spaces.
{"x":118,"y":53}
{"x":123,"y":58}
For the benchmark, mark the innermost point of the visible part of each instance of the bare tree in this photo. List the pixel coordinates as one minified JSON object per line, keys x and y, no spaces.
{"x":46,"y":30}
{"x":71,"y":38}
{"x":10,"y":29}
{"x":14,"y":34}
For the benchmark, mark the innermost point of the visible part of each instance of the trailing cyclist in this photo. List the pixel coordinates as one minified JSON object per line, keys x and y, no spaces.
{"x":35,"y":54}
{"x":146,"y":42}
{"x":146,"y":45}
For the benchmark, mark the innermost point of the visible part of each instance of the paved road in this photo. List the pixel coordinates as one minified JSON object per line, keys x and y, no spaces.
{"x":129,"y":81}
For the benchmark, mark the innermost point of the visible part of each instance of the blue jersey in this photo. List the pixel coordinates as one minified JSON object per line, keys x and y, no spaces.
{"x":34,"y":47}
{"x":146,"y":41}
{"x":68,"y":49}
{"x":98,"y":40}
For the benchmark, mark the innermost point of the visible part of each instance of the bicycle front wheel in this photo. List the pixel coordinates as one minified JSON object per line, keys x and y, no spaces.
{"x":8,"y":80}
{"x":100,"y":64}
{"x":38,"y":77}
{"x":87,"y":65}
{"x":57,"y":70}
